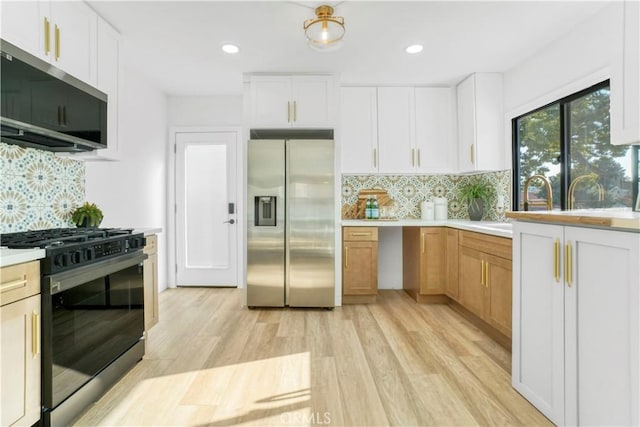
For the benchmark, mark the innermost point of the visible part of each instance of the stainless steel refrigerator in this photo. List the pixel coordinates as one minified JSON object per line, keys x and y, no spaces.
{"x":291,"y":223}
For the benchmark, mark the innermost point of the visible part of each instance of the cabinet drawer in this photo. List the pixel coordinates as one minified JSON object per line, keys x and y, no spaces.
{"x":498,"y":246}
{"x":360,"y":234}
{"x":152,"y":244}
{"x":19,"y":281}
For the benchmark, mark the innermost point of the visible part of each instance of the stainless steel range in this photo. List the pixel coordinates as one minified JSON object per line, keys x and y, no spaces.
{"x":92,"y":313}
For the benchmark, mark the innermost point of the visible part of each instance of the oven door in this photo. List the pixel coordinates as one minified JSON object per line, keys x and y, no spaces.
{"x":90,"y":316}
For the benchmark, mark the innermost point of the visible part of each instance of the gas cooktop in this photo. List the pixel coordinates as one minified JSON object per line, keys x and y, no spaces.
{"x":67,"y":248}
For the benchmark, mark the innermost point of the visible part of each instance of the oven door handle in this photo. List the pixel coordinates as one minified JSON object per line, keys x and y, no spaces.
{"x":70,"y":279}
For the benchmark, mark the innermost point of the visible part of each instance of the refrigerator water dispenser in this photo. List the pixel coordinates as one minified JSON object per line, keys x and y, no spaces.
{"x":265,"y":209}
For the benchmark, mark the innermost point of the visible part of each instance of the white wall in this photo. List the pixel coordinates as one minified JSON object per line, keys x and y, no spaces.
{"x":586,"y":53}
{"x":205,"y":110}
{"x":132,"y":191}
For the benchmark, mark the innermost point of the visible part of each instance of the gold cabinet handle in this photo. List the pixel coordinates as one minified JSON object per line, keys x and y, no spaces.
{"x":14,"y":284}
{"x":346,"y":257}
{"x":473,"y":154}
{"x":57,"y":36}
{"x":486,"y":274}
{"x":482,"y":272}
{"x":295,"y":111}
{"x":413,"y":157}
{"x":375,"y":157}
{"x":35,"y":333}
{"x":288,"y":111}
{"x":47,"y":37}
{"x":568,"y":264}
{"x":418,"y":150}
{"x":422,"y":241}
{"x":556,"y":260}
{"x":361,"y":234}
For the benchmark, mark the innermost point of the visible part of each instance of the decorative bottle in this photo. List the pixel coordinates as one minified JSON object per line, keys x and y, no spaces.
{"x":367,"y":208}
{"x":375,"y":209}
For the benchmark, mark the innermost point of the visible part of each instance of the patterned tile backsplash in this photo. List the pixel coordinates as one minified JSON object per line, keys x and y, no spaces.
{"x":38,"y":189}
{"x":408,"y":191}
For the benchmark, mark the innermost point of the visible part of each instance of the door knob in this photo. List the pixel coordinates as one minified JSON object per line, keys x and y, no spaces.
{"x":231,"y":221}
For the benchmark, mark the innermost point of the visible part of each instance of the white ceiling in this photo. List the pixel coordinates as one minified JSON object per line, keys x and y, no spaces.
{"x":176,"y":44}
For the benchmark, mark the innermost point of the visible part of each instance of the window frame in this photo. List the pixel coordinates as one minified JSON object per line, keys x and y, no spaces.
{"x":565,"y":147}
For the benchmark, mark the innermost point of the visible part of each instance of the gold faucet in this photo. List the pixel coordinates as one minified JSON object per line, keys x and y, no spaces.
{"x":547,"y":186}
{"x":572,"y":189}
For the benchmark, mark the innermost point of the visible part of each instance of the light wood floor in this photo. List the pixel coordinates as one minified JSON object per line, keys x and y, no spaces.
{"x":212,"y":362}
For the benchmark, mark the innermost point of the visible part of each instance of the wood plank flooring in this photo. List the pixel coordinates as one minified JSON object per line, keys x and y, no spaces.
{"x":212,"y":362}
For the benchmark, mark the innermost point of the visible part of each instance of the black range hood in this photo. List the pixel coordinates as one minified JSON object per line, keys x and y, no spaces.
{"x":45,"y":108}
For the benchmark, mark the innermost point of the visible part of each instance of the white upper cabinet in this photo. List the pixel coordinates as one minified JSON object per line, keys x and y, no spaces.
{"x":625,"y":80}
{"x":23,"y":25}
{"x":480,"y":123}
{"x":396,"y":130}
{"x":359,"y":130}
{"x":436,"y":148}
{"x":108,"y":66}
{"x":74,"y":36}
{"x":291,"y":101}
{"x":62,"y":33}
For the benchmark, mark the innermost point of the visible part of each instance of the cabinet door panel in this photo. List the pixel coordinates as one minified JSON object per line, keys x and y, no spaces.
{"x":311,"y":107}
{"x":360,"y":268}
{"x":20,"y":363}
{"x":452,"y":265}
{"x":601,"y":328}
{"x":271,"y":102}
{"x":396,"y":131}
{"x":435,"y":143}
{"x":23,"y":25}
{"x":466,"y":125}
{"x":499,"y":293}
{"x":538,"y":319}
{"x":471,"y":288}
{"x":359,"y":129}
{"x":77,"y":29}
{"x":432,"y":267}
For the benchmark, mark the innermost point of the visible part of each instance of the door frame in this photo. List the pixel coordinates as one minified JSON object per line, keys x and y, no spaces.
{"x":172,"y":228}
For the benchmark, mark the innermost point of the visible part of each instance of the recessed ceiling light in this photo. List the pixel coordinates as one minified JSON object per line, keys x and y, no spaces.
{"x":230,"y":48}
{"x":414,"y":48}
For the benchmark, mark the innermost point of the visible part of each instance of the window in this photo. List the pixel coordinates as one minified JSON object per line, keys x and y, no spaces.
{"x":567,"y":142}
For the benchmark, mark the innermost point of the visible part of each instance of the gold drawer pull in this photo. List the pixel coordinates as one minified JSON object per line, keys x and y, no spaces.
{"x":9,"y":286}
{"x":568,"y":274}
{"x":556,"y":260}
{"x":361,"y":234}
{"x":35,"y":333}
{"x":346,"y":258}
{"x":47,"y":37}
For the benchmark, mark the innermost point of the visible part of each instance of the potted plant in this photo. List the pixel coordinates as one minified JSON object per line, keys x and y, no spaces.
{"x":87,"y":215}
{"x":477,"y":194}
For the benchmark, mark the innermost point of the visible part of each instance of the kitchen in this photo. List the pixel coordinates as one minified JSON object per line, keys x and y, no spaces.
{"x":151,"y":111}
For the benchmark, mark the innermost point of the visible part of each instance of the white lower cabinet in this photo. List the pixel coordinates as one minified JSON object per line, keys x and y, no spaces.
{"x":576,"y":335}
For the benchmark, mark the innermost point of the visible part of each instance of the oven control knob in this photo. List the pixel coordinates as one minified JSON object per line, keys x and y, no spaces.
{"x":62,"y":260}
{"x":76,"y":257}
{"x":135,"y":242}
{"x":89,"y":254}
{"x":59,"y":260}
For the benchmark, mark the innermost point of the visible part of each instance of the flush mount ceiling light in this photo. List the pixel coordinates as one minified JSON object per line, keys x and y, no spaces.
{"x":325,"y":32}
{"x":230,"y":48}
{"x":413,"y":49}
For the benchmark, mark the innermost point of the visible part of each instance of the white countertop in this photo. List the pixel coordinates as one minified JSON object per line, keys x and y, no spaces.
{"x":500,"y":229}
{"x":18,"y":256}
{"x":616,"y":218}
{"x":148,"y":231}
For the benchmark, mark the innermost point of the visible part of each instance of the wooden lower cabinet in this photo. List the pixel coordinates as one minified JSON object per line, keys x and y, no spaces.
{"x":359,"y":264}
{"x":452,"y":283}
{"x":151,"y":314}
{"x":20,"y":353}
{"x":485,"y":279}
{"x":424,"y":263}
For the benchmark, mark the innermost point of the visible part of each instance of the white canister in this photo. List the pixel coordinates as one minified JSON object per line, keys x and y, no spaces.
{"x":427,"y":210}
{"x":440,"y":208}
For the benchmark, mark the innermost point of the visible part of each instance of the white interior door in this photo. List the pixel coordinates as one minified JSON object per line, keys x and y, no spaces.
{"x":206,"y":227}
